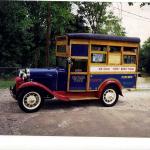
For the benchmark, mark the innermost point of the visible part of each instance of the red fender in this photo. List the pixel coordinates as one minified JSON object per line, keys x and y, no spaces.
{"x":41,"y":86}
{"x":34,"y":84}
{"x":108,"y":82}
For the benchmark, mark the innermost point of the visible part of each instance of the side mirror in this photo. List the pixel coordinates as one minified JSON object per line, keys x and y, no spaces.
{"x":69,"y":61}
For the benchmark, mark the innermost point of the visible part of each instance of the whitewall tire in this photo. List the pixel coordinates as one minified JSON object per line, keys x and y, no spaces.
{"x":30,"y":100}
{"x":109,"y":96}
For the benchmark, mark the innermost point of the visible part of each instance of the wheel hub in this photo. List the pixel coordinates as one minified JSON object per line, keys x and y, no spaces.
{"x":109,"y":96}
{"x":31,"y":100}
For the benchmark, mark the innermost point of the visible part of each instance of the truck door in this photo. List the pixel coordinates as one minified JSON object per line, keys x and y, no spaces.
{"x":77,"y":72}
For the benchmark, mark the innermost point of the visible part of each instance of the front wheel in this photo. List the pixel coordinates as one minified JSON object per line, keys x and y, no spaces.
{"x":30,"y":100}
{"x":109,"y":96}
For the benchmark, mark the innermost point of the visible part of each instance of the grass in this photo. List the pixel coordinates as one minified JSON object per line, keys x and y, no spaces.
{"x":6,"y":83}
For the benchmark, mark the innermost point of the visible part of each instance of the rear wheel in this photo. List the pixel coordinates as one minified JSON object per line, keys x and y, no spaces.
{"x":30,"y":100}
{"x":109,"y":96}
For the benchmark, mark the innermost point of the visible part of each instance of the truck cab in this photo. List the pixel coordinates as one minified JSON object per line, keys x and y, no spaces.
{"x":89,"y":66}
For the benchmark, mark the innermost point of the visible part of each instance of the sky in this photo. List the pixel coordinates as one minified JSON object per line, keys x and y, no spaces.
{"x":134,"y":26}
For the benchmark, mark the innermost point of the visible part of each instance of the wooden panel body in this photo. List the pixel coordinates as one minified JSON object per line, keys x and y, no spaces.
{"x":123,"y":67}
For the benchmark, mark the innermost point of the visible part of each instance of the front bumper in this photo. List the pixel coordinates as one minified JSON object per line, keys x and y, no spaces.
{"x":12,"y":90}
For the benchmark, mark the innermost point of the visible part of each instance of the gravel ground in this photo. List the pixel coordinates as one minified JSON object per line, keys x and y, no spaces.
{"x":128,"y":118}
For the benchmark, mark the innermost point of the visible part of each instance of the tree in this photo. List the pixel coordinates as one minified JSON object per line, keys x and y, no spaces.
{"x":145,"y":56}
{"x":77,"y":25}
{"x":99,"y":18}
{"x":141,"y":4}
{"x":15,"y":38}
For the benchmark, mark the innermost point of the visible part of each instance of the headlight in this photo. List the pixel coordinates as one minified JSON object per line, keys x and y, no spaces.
{"x":28,"y":72}
{"x":24,"y":73}
{"x":21,"y":73}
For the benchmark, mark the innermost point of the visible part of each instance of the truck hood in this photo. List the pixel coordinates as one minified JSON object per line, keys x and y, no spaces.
{"x":46,"y":76}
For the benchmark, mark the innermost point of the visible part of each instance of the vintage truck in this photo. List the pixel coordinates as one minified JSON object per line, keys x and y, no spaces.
{"x":89,"y":66}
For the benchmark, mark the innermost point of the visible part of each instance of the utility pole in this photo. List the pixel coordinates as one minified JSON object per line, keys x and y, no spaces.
{"x":47,"y":62}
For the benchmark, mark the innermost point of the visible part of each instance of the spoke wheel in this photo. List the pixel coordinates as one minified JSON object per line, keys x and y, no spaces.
{"x":109,"y":96}
{"x":30,"y":100}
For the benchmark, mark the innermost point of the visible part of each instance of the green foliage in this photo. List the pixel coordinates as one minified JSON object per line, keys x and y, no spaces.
{"x":15,"y":38}
{"x":6,"y":83}
{"x":23,"y":27}
{"x":100,"y":19}
{"x":145,"y":56}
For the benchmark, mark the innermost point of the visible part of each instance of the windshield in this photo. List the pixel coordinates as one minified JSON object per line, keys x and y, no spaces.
{"x":61,"y":62}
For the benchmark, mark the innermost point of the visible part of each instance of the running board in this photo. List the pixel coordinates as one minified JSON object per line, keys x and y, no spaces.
{"x":82,"y":98}
{"x":72,"y":96}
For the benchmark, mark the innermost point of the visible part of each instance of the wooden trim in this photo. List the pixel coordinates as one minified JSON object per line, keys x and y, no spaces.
{"x":88,"y":66}
{"x":129,"y":65}
{"x":108,"y":49}
{"x":78,"y":57}
{"x":76,"y":73}
{"x":77,"y":91}
{"x":61,"y":54}
{"x":98,"y":52}
{"x":122,"y":55}
{"x":98,"y":64}
{"x":92,"y":73}
{"x":137,"y":62}
{"x":79,"y":41}
{"x":114,"y":43}
{"x":69,"y":54}
{"x":64,"y":42}
{"x":129,"y":53}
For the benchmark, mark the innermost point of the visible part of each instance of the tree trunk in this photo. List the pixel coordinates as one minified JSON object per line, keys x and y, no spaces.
{"x":48,"y":36}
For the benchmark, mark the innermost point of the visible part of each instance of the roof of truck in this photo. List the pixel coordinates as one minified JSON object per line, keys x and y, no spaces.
{"x":92,"y":36}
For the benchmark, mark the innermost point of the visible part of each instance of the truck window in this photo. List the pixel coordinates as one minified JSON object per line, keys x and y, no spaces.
{"x":130,"y":49}
{"x":115,"y":49}
{"x":129,"y":59}
{"x":98,"y":58}
{"x":61,"y":62}
{"x":79,"y":65}
{"x":99,"y":48}
{"x":79,"y":50}
{"x":61,"y":48}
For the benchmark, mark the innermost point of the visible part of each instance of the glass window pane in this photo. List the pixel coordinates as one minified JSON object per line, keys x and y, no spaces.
{"x":115,"y":49}
{"x":129,"y":59}
{"x":79,"y":50}
{"x":79,"y":65}
{"x":61,"y":62}
{"x":61,"y":48}
{"x":99,"y":48}
{"x":98,"y":58}
{"x":130,"y":49}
